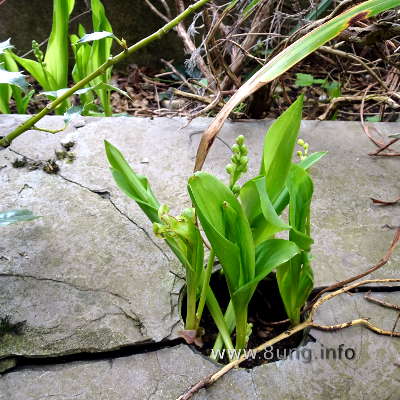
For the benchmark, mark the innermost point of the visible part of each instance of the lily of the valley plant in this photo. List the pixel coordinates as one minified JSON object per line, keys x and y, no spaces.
{"x":240,"y":223}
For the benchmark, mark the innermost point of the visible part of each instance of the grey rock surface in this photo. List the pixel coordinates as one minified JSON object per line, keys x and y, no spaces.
{"x":367,"y":368}
{"x":89,"y":276}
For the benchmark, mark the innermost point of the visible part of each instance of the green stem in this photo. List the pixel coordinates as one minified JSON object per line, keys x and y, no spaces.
{"x":107,"y":104}
{"x":229,"y":318}
{"x":190,"y":323}
{"x":218,"y":317}
{"x":6,"y":141}
{"x":35,"y":128}
{"x":241,"y":329}
{"x":206,"y":284}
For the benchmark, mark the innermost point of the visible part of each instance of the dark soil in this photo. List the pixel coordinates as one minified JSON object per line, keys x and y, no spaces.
{"x":265,"y":307}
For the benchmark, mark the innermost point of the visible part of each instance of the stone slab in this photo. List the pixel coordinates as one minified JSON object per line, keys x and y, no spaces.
{"x":370,"y":370}
{"x":89,"y":276}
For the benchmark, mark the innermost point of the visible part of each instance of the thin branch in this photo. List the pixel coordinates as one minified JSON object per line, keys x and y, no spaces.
{"x":156,"y":11}
{"x":383,"y":303}
{"x":6,"y":141}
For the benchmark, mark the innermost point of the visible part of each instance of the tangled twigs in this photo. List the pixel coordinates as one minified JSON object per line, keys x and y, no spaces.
{"x":386,"y":146}
{"x":210,"y":379}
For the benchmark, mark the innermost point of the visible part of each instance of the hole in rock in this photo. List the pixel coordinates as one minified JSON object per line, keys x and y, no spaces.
{"x":265,"y":307}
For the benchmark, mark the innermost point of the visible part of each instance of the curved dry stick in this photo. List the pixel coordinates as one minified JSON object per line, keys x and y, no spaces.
{"x":210,"y":379}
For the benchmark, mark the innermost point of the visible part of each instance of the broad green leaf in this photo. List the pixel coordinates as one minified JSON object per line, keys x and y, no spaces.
{"x":5,"y":96}
{"x":283,"y":199}
{"x":295,"y":281}
{"x":13,"y":216}
{"x":100,"y":52}
{"x":34,"y":68}
{"x":133,"y":185}
{"x":225,"y":226}
{"x":56,"y":57}
{"x":5,"y":45}
{"x":300,"y":189}
{"x":395,"y":136}
{"x":23,"y":101}
{"x":279,"y":144}
{"x":260,"y":212}
{"x":91,"y":37}
{"x":270,"y":255}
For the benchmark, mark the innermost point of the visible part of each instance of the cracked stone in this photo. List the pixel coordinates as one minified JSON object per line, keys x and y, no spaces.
{"x":166,"y":373}
{"x":89,"y":275}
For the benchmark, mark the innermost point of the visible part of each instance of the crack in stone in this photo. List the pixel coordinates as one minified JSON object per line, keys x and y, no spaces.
{"x":106,"y":195}
{"x":130,"y":315}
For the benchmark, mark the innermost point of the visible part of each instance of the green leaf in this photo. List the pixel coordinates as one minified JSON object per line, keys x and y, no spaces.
{"x":300,"y":189}
{"x":270,"y":254}
{"x":375,"y":118}
{"x":295,"y":281}
{"x":132,"y":184}
{"x":395,"y":136}
{"x":250,"y":7}
{"x":13,"y":216}
{"x":71,"y":113}
{"x":304,"y":80}
{"x":225,"y":226}
{"x":91,"y":37}
{"x":56,"y":57}
{"x":279,"y":144}
{"x":34,"y":68}
{"x":13,"y":78}
{"x":5,"y":45}
{"x":58,"y":93}
{"x":283,"y":199}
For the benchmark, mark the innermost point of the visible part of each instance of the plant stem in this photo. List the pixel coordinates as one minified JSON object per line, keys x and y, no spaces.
{"x":191,"y":321}
{"x":230,"y":321}
{"x":218,"y":317}
{"x":6,"y":141}
{"x":241,"y":329}
{"x":206,"y":283}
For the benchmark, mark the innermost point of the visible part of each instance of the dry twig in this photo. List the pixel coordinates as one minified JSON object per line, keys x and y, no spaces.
{"x":210,"y":379}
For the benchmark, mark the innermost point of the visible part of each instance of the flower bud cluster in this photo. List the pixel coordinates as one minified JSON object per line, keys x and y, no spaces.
{"x":182,"y":227}
{"x":37,"y":52}
{"x":239,"y":163}
{"x":302,"y":153}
